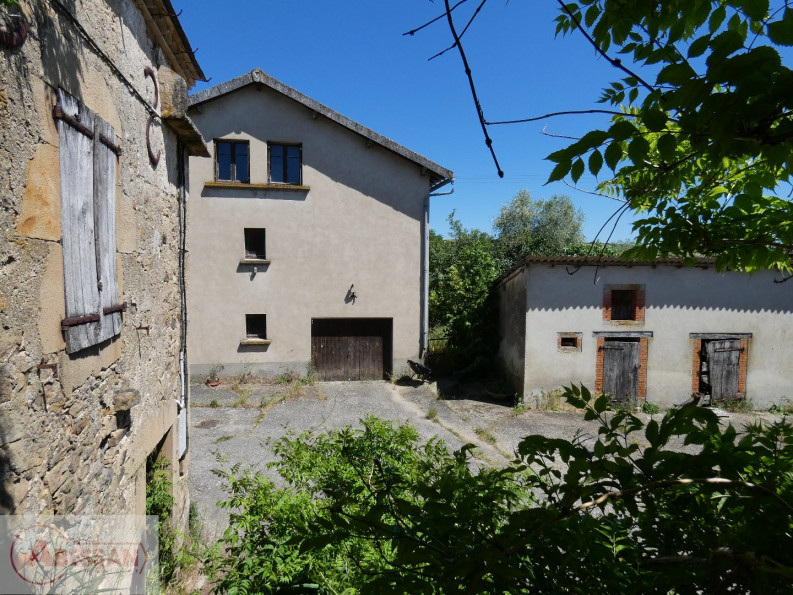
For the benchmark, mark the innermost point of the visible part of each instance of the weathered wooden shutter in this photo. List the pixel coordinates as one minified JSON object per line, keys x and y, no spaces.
{"x":105,"y":221}
{"x":621,"y":369}
{"x":88,"y":182}
{"x":723,"y":362}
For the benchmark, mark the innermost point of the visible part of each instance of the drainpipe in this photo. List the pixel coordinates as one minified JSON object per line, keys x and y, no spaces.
{"x":184,"y":382}
{"x":425,"y":273}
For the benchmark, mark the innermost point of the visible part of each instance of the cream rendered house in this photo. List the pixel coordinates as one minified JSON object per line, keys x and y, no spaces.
{"x":654,"y":331}
{"x":307,"y":238}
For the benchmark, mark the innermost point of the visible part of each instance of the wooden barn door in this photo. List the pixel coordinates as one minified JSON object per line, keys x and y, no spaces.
{"x":351,"y":348}
{"x":621,"y":369}
{"x":723,"y":367}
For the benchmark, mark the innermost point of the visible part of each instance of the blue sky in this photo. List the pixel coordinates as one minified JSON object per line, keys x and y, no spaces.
{"x":352,"y":56}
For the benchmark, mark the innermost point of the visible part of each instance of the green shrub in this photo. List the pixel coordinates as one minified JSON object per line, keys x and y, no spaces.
{"x":373,"y":510}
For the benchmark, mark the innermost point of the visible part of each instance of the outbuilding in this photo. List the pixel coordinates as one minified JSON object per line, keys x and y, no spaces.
{"x":654,"y":331}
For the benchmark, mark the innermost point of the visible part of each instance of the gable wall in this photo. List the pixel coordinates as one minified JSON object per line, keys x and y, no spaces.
{"x":360,"y":223}
{"x":679,"y":301}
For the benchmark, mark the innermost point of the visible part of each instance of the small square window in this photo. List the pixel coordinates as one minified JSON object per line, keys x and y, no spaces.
{"x":254,"y":243}
{"x":285,"y":163}
{"x":232,"y":159}
{"x":569,"y":341}
{"x":256,"y":326}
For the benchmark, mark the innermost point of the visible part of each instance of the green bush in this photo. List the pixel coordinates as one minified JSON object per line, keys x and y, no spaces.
{"x":374,"y":510}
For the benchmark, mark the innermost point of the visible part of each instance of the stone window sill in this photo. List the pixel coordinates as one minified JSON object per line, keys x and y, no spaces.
{"x":241,"y":186}
{"x":254,"y":341}
{"x":254,"y":261}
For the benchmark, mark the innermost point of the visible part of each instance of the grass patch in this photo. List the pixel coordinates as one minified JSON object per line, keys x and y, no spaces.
{"x":214,"y":403}
{"x":223,"y":439}
{"x":744,"y":405}
{"x":650,"y":408}
{"x":549,"y":400}
{"x":783,"y":408}
{"x":485,"y":435}
{"x":432,"y":414}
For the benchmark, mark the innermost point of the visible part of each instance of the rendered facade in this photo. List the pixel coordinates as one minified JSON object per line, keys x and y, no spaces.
{"x":307,"y":238}
{"x":93,"y":149}
{"x":654,"y":331}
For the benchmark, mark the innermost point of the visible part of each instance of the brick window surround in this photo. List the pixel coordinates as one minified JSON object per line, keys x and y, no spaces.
{"x":641,"y":395}
{"x":638,"y":303}
{"x":696,"y":360}
{"x":569,"y":342}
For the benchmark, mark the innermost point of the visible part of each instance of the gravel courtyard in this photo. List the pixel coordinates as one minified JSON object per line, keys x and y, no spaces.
{"x":234,"y":424}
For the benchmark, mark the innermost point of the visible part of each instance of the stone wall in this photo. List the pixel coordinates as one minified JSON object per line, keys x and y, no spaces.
{"x":76,"y":429}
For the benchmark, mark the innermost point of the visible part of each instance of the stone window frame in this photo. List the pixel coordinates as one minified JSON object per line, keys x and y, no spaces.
{"x":642,"y":336}
{"x":569,"y":348}
{"x":233,"y":144}
{"x":285,"y":146}
{"x":639,"y":303}
{"x":696,"y":360}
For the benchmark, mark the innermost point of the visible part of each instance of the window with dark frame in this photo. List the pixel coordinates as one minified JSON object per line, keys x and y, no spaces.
{"x":285,"y":162}
{"x":255,"y":243}
{"x":623,"y":304}
{"x":232,"y":161}
{"x":256,"y":326}
{"x":569,"y":342}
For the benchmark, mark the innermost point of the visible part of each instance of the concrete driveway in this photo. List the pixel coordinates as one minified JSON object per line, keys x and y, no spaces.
{"x":238,"y":422}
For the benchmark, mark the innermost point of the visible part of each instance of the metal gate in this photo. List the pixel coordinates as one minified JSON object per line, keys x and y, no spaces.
{"x":351,"y":348}
{"x":621,"y":369}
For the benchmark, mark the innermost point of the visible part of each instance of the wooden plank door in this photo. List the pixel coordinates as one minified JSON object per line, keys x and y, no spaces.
{"x":723,"y":365}
{"x":621,"y":370}
{"x":351,"y":348}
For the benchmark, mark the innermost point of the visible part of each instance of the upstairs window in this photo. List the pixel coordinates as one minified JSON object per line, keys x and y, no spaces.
{"x":255,"y":244}
{"x":624,"y":303}
{"x":285,"y":163}
{"x":232,"y":161}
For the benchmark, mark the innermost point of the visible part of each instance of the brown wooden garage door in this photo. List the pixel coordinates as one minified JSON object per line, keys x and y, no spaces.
{"x":351,"y":348}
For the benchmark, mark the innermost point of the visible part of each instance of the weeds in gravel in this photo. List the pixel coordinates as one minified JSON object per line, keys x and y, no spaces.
{"x":485,"y":435}
{"x":432,"y":414}
{"x":223,"y":439}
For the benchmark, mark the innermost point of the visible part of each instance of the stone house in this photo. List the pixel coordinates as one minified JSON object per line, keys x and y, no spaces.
{"x":646,"y":331}
{"x":307,"y":239}
{"x":93,"y":149}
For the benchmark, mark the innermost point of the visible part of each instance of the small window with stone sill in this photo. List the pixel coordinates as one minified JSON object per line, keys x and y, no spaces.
{"x":255,"y":330}
{"x":255,"y":246}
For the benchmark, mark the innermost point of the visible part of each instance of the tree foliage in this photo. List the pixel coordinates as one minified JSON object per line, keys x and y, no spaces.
{"x":703,"y":147}
{"x":462,"y":270}
{"x":375,"y":510}
{"x":538,"y":227}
